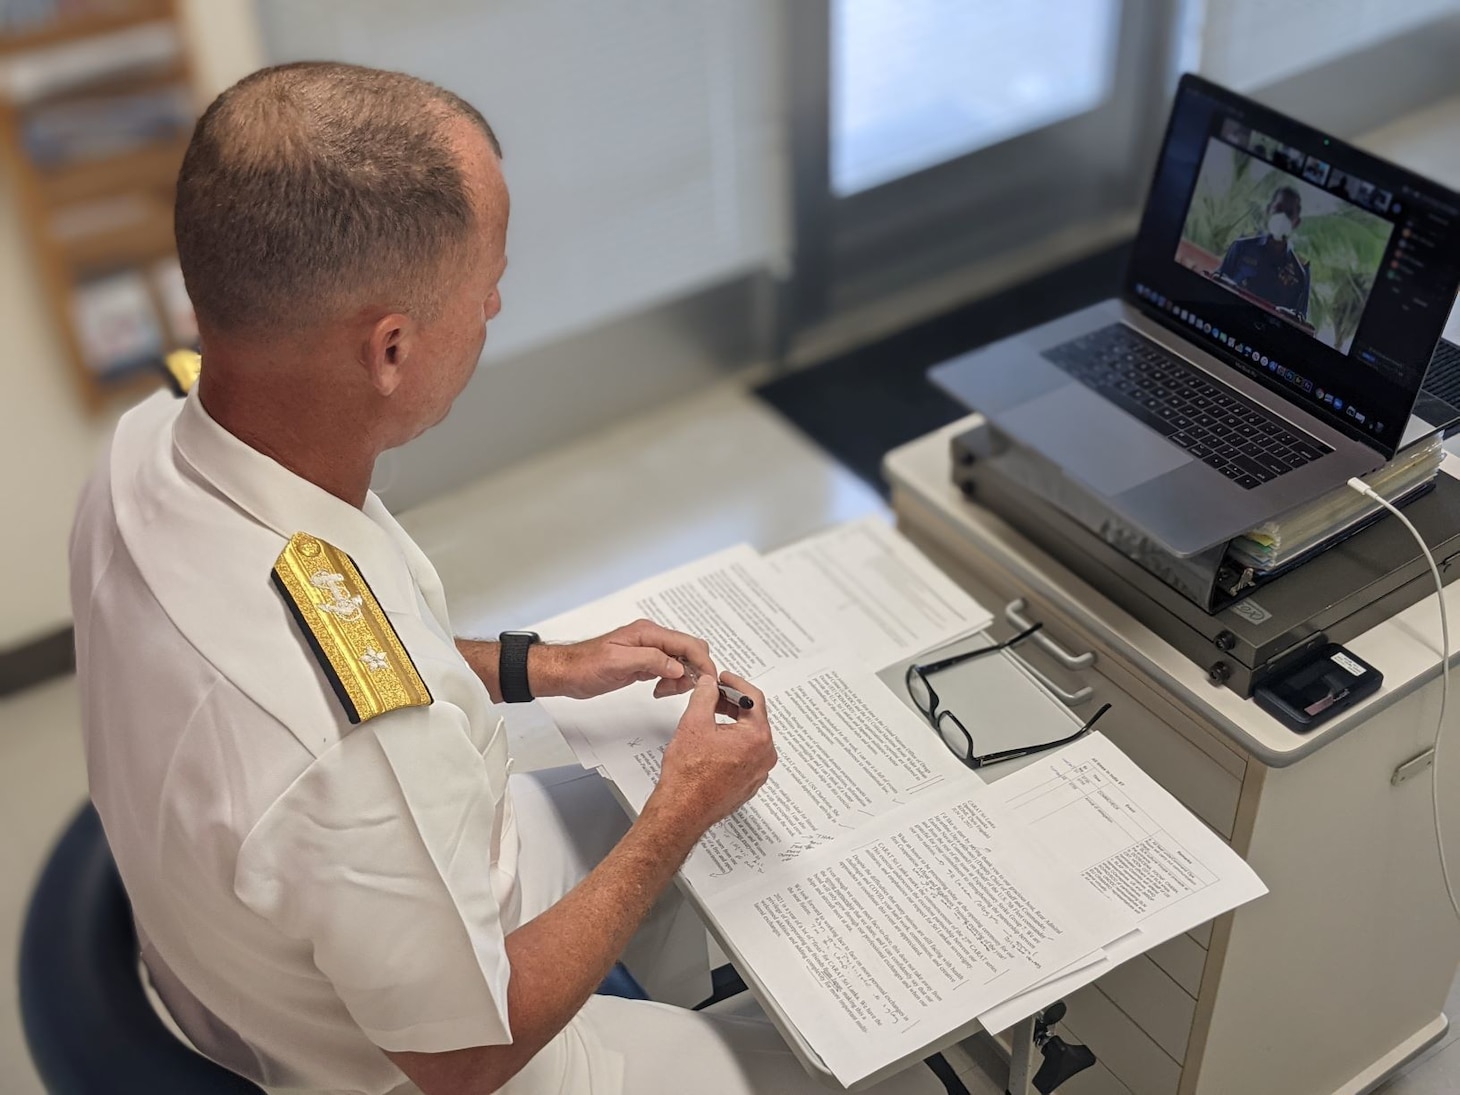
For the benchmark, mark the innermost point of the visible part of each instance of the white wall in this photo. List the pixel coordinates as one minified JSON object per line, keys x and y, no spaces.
{"x":642,"y":138}
{"x":46,"y":445}
{"x":1247,"y":44}
{"x":225,"y":41}
{"x":48,"y":442}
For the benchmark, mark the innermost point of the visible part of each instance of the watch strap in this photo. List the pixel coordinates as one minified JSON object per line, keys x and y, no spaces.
{"x":512,"y":665}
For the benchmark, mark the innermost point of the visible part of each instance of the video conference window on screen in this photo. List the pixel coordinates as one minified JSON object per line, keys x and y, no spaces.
{"x":1286,"y":231}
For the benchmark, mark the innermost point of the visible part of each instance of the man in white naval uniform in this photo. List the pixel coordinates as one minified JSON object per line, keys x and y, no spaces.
{"x":337,"y":885}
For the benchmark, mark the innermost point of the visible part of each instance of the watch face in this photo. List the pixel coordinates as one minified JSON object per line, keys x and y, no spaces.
{"x":531,"y":636}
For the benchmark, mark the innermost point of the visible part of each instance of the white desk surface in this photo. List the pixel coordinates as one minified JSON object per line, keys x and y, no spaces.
{"x":1405,"y":648}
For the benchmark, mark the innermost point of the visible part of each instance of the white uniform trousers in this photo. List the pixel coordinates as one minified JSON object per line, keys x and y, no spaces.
{"x":567,"y":821}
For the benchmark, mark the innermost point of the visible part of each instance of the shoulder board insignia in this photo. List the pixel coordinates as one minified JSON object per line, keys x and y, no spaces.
{"x":181,"y":369}
{"x":347,"y":629}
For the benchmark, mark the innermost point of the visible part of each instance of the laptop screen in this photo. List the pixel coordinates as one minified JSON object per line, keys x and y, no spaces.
{"x":1323,"y":272}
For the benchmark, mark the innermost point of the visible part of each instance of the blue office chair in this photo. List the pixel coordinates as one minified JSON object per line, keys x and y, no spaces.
{"x":89,"y":1025}
{"x":87,"y":1020}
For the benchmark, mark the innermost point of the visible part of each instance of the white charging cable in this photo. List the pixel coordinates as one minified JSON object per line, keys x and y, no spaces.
{"x":1368,"y":492}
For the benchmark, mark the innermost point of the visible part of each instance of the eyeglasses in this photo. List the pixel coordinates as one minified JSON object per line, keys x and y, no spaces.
{"x":950,"y":727}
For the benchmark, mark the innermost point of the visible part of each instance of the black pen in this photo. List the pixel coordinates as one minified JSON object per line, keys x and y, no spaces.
{"x":734,"y":695}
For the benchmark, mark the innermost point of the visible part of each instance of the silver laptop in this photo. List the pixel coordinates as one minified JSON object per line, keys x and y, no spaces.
{"x":1284,"y":297}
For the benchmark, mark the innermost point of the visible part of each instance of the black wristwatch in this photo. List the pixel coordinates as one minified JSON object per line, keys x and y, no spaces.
{"x":512,"y":665}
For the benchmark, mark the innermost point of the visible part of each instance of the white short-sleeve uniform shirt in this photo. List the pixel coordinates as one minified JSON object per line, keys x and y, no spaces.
{"x":307,"y":891}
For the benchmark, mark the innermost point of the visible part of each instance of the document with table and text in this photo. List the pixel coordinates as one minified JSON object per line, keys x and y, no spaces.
{"x":1122,"y":836}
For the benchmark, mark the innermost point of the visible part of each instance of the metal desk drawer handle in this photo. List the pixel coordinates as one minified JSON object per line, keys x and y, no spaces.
{"x":1069,"y":699}
{"x":1014,"y":613}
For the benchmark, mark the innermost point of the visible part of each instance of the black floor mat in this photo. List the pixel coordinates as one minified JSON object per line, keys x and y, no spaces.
{"x":860,"y":405}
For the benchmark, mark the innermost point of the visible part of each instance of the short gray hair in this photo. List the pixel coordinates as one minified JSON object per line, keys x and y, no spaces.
{"x":307,"y":187}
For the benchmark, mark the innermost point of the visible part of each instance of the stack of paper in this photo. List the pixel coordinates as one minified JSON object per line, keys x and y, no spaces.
{"x":1278,"y":542}
{"x":878,"y":890}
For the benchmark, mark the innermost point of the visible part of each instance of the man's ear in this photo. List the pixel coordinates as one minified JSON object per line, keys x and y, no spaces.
{"x":388,"y":344}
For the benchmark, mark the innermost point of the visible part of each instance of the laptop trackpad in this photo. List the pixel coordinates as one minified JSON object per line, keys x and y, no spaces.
{"x":1091,"y":440}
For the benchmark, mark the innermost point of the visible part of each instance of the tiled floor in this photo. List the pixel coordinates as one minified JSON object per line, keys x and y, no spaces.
{"x":712,"y":470}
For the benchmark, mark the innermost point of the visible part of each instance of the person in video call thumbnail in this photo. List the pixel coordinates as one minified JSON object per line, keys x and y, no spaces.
{"x":1265,"y":265}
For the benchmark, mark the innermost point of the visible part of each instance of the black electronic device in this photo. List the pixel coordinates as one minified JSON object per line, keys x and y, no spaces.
{"x":1316,"y":688}
{"x":1240,"y":634}
{"x":1211,"y":580}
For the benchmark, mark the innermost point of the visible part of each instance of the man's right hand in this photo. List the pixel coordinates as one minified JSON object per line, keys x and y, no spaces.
{"x":711,"y":769}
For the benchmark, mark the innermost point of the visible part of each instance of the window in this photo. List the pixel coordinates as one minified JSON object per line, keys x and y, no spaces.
{"x":915,"y":83}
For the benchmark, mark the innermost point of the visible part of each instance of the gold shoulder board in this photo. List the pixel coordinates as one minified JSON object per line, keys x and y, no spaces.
{"x":181,"y":368}
{"x":347,"y":630}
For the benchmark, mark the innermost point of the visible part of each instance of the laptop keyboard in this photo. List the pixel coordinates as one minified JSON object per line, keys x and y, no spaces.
{"x":1247,"y":444}
{"x":1443,"y":379}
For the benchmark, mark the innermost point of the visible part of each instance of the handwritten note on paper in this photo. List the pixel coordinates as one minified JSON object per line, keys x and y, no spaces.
{"x":879,"y":594}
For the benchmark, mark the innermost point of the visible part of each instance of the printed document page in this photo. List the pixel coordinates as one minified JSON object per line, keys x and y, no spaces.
{"x":882,"y":942}
{"x":1121,"y":835}
{"x":731,"y":599}
{"x":849,"y":752}
{"x":880,"y":595}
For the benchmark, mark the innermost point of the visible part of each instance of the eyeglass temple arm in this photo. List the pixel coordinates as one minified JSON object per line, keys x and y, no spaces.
{"x":1010,"y":754}
{"x":967,"y":655}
